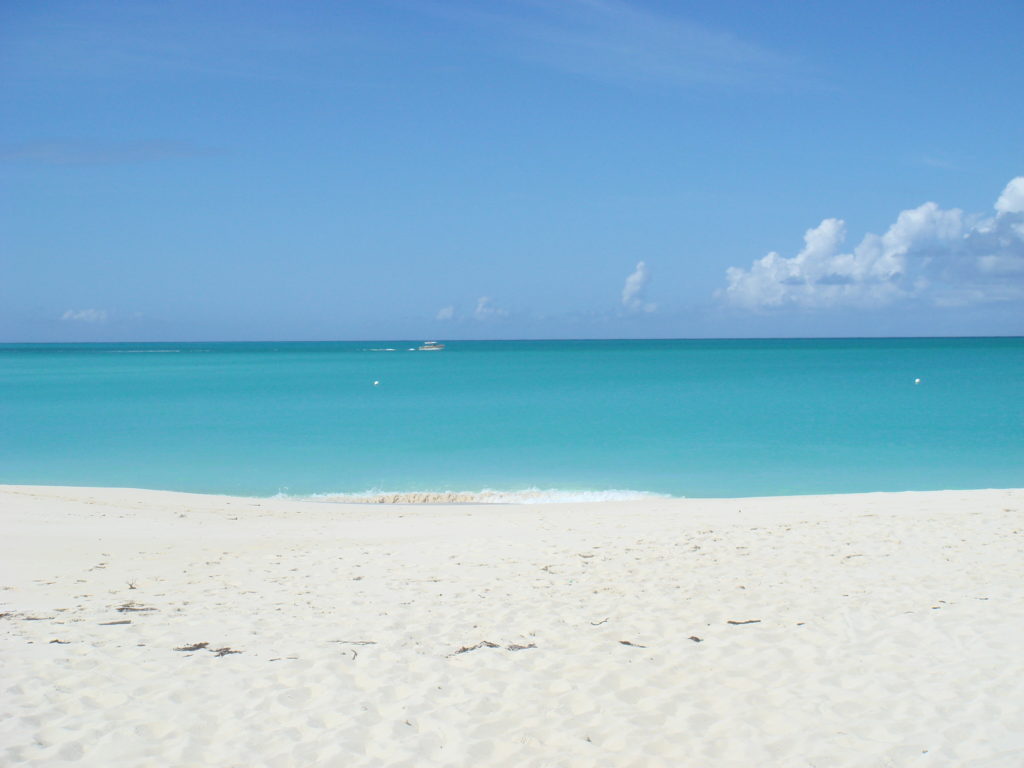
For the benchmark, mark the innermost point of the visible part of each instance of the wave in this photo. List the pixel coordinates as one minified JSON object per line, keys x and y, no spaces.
{"x":486,"y":496}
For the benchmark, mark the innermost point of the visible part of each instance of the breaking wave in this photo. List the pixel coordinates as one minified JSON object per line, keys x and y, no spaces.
{"x":486,"y":496}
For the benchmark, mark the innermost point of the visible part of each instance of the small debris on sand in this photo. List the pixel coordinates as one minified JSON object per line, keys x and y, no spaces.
{"x":132,"y":606}
{"x":354,"y":642}
{"x":193,"y":647}
{"x":482,"y":644}
{"x":206,"y":646}
{"x":489,"y":644}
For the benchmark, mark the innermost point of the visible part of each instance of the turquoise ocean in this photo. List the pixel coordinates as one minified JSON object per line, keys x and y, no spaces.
{"x":563,"y":419}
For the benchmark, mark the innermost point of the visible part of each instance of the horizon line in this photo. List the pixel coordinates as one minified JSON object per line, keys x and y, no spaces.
{"x":514,"y":339}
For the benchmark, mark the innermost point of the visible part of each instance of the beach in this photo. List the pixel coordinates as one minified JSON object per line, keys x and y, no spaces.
{"x":151,"y":628}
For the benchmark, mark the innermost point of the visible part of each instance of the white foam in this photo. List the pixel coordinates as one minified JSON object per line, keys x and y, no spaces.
{"x":485,"y":496}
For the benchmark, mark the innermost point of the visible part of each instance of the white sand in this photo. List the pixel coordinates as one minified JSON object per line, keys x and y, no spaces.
{"x":889,"y":631}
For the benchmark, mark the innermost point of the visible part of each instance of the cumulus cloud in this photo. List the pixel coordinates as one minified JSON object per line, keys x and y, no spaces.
{"x":446,"y":313}
{"x":1012,"y":199}
{"x":634,"y":289}
{"x":85,"y":315}
{"x":940,"y":256}
{"x":485,"y":309}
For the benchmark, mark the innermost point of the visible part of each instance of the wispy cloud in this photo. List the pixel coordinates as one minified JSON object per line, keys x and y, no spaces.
{"x":485,"y":309}
{"x":634,"y":290}
{"x":100,"y":153}
{"x":942,"y":257}
{"x":85,"y":315}
{"x":937,"y":161}
{"x":612,"y":40}
{"x":446,"y":313}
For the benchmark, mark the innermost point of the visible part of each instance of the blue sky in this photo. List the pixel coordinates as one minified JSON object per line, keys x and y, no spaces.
{"x":510,"y":169}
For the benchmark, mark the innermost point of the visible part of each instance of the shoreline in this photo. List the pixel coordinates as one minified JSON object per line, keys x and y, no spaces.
{"x":486,"y":497}
{"x":855,"y":629}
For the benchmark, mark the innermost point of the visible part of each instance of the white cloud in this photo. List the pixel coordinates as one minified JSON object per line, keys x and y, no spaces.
{"x":938,"y":256}
{"x":1012,"y":199}
{"x":85,"y":315}
{"x":485,"y":309}
{"x":634,"y":289}
{"x":446,"y":313}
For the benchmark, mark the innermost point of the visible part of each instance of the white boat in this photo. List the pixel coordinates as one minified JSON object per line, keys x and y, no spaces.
{"x":430,"y":346}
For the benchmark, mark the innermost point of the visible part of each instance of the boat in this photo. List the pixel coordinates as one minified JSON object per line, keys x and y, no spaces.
{"x":430,"y":346}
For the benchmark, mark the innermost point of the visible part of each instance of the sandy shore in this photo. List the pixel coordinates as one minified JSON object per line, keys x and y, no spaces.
{"x":863,"y":630}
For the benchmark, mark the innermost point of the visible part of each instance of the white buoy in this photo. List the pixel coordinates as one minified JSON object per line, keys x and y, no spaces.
{"x":917,"y":381}
{"x":377,"y":383}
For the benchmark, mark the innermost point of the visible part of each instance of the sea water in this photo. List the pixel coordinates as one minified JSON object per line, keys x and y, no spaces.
{"x":525,"y":419}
